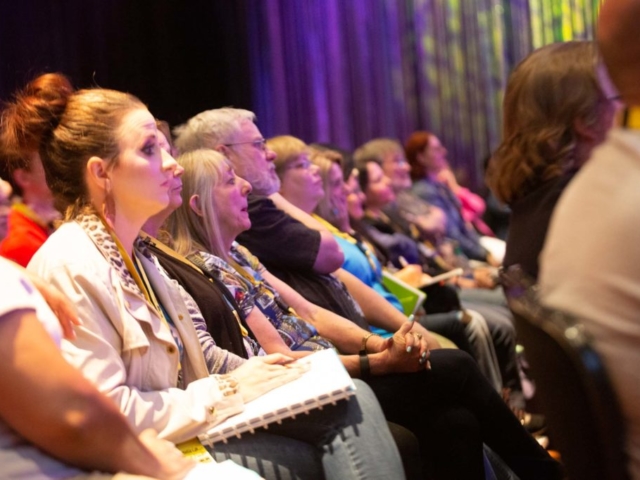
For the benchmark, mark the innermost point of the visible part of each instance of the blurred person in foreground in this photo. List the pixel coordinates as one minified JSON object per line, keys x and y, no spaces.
{"x":589,"y":264}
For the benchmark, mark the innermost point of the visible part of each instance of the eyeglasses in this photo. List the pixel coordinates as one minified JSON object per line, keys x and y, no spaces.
{"x":301,"y":165}
{"x":259,"y":144}
{"x":396,"y":160}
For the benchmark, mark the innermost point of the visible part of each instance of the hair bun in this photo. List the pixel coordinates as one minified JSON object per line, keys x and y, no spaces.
{"x":34,"y":113}
{"x":52,"y":90}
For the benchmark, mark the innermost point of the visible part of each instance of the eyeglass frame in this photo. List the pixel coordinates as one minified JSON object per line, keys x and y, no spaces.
{"x":305,"y":165}
{"x":259,"y":144}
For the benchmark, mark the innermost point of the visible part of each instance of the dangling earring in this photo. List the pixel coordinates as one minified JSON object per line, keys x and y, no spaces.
{"x":109,"y":206}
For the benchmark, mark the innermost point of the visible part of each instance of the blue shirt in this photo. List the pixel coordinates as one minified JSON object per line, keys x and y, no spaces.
{"x":369,"y":271}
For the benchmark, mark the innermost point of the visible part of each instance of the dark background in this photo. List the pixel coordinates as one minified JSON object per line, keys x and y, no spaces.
{"x":178,"y":57}
{"x":337,"y":71}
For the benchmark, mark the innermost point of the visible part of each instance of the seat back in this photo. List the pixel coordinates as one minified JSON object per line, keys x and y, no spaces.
{"x":571,"y":384}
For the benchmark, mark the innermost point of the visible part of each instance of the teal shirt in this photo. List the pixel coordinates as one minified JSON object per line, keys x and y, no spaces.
{"x":357,"y":263}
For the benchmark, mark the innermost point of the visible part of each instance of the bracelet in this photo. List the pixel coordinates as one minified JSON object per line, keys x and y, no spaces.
{"x":228,"y":385}
{"x":363,"y":347}
{"x":365,"y":368}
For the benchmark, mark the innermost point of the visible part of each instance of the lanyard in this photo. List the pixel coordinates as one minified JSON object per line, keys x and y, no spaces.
{"x":140,"y":277}
{"x":172,"y":253}
{"x":362,"y":245}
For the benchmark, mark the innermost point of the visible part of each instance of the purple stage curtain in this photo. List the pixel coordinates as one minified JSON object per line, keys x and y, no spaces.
{"x":347,"y":71}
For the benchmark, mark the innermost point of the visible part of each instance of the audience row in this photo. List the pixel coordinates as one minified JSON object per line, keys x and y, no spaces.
{"x":197,"y":282}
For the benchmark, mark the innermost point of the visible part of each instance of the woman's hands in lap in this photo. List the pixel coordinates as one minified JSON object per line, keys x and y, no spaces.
{"x":259,"y":375}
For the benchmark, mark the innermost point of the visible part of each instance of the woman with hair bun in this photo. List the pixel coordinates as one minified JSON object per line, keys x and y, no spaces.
{"x":30,"y":220}
{"x":140,"y":338}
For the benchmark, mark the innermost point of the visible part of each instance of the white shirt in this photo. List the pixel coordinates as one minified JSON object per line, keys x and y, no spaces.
{"x":18,"y":458}
{"x":590,"y":266}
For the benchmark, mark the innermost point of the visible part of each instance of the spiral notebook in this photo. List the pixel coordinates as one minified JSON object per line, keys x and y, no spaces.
{"x":325,"y":382}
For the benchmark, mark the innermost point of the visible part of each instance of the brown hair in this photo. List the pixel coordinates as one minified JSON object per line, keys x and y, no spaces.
{"x":546,"y":93}
{"x":415,"y":145}
{"x":287,"y":150}
{"x":69,"y":128}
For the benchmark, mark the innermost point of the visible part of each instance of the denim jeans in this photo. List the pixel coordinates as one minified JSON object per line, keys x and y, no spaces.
{"x":349,"y":440}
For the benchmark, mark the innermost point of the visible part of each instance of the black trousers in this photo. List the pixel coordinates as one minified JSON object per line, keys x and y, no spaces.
{"x":453,"y":410}
{"x":447,"y":325}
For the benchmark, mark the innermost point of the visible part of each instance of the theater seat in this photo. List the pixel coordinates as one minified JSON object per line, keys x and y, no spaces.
{"x":573,"y":389}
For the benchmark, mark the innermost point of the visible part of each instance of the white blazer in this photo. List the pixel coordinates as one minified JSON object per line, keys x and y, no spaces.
{"x":123,"y":346}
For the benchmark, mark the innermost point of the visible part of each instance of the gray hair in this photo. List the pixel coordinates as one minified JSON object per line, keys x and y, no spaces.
{"x":210,"y":128}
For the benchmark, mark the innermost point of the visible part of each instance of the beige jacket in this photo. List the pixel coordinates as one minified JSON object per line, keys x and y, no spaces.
{"x":123,"y":346}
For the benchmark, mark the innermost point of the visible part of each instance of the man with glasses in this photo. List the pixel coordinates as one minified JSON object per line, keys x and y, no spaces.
{"x":290,"y":243}
{"x":233,"y":132}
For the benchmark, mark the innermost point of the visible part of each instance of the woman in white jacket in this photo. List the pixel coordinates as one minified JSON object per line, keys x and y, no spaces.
{"x":137,"y":342}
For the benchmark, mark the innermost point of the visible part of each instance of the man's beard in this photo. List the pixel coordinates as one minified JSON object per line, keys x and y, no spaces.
{"x":264,"y":182}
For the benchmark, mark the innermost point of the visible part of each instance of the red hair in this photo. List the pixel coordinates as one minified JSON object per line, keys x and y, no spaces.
{"x":415,"y":145}
{"x":26,"y":119}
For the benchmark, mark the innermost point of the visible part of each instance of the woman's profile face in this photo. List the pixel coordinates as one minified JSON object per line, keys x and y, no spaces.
{"x":143,"y":174}
{"x":378,"y":192}
{"x":434,"y":155}
{"x":396,"y":167}
{"x":175,"y":199}
{"x":355,"y":198}
{"x":337,"y":191}
{"x":301,"y":179}
{"x":230,"y":203}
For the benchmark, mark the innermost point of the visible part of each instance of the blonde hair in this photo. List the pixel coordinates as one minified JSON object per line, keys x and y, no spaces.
{"x":546,"y":93}
{"x":287,"y":150}
{"x":376,"y":150}
{"x":325,"y":159}
{"x":204,"y":170}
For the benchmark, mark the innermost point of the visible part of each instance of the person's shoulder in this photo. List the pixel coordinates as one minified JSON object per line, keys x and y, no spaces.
{"x":68,"y":237}
{"x":266,"y":216}
{"x":612,"y":171}
{"x":13,"y":280}
{"x":623,"y":136}
{"x":69,"y":247}
{"x":257,"y":202}
{"x":406,"y":196}
{"x":264,"y":212}
{"x":422,"y":186}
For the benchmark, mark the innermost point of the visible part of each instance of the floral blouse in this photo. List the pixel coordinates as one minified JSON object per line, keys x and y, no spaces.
{"x":244,"y":280}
